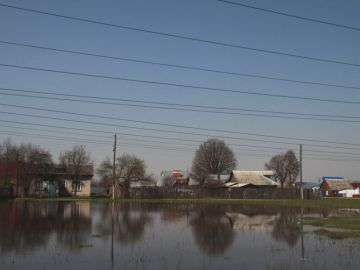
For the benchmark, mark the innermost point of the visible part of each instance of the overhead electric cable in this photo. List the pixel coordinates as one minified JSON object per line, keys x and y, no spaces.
{"x":175,"y":139}
{"x":177,"y":126}
{"x":190,"y":38}
{"x":283,"y":116}
{"x":185,"y":67}
{"x":180,"y":85}
{"x":291,"y":15}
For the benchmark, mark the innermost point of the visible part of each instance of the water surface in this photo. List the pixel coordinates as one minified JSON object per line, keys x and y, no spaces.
{"x":88,"y":235}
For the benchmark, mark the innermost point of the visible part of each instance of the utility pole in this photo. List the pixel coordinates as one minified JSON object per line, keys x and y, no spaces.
{"x":114,"y":161}
{"x":301,"y":182}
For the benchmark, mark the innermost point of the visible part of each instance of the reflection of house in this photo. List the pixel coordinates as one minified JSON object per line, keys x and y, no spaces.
{"x":78,"y":209}
{"x":59,"y":182}
{"x":336,"y":187}
{"x":245,"y":179}
{"x":179,"y":177}
{"x":263,"y":223}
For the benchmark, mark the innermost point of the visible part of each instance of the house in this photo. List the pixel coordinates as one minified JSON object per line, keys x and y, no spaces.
{"x":59,"y":182}
{"x":356,"y":186}
{"x":141,"y":183}
{"x":177,"y":177}
{"x":308,"y":185}
{"x":216,"y":179}
{"x":336,"y":187}
{"x":254,"y":179}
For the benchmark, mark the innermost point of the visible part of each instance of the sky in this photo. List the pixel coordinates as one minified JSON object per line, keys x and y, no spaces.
{"x":124,"y":96}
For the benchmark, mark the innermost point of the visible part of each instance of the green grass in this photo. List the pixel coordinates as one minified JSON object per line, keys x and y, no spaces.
{"x":85,"y":245}
{"x":337,"y":235}
{"x":320,"y":203}
{"x":349,"y":223}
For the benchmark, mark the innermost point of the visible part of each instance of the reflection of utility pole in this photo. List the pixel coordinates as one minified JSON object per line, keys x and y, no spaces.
{"x":302,"y":234}
{"x":301,"y":182}
{"x":114,"y":161}
{"x":112,"y":235}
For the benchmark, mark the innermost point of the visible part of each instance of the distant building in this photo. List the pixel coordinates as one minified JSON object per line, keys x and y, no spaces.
{"x":58,"y":182}
{"x":255,"y":179}
{"x":336,"y":187}
{"x":178,"y":177}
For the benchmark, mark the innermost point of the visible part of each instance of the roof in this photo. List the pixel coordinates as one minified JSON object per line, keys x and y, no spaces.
{"x":86,"y":170}
{"x":175,"y":173}
{"x":217,"y":179}
{"x":332,"y":178}
{"x":308,"y":185}
{"x":257,"y":178}
{"x":355,"y":184}
{"x":338,"y":185}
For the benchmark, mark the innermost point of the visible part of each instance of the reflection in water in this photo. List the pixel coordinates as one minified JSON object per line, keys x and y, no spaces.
{"x":163,"y":236}
{"x":287,"y":227}
{"x":213,"y":229}
{"x":26,"y":225}
{"x":129,"y":221}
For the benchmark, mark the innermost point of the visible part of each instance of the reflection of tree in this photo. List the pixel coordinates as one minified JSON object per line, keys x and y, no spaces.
{"x":286,"y":227}
{"x":22,"y":227}
{"x":27,"y":225}
{"x":213,"y":230}
{"x":74,"y":224}
{"x":130,"y":221}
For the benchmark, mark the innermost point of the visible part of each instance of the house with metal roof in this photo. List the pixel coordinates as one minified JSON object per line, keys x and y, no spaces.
{"x":252,"y":179}
{"x":336,"y":188}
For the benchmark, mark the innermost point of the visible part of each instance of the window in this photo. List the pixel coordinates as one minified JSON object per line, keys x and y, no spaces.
{"x":76,"y":186}
{"x":38,"y":185}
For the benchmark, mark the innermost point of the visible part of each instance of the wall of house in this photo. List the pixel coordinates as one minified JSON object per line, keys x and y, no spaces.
{"x":347,"y":193}
{"x":85,"y":188}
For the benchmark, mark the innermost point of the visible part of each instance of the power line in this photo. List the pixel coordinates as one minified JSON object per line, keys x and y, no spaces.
{"x":190,"y":38}
{"x":283,"y":115}
{"x":213,"y":89}
{"x":127,"y":134}
{"x":173,"y":139}
{"x":177,"y":126}
{"x":291,"y":15}
{"x":185,"y":67}
{"x":53,"y":131}
{"x":172,"y":131}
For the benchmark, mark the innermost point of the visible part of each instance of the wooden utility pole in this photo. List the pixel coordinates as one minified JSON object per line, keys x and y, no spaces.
{"x":114,"y":163}
{"x":301,"y":182}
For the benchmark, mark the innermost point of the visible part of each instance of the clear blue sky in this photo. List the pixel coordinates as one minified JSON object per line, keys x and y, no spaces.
{"x":203,"y":19}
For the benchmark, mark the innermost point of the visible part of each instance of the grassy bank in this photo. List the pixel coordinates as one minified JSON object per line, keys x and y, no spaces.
{"x":329,"y":202}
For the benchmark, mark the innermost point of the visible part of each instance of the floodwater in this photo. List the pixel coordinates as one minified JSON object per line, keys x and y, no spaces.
{"x":88,"y":235}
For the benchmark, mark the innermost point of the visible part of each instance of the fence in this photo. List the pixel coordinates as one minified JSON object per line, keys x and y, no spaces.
{"x":233,"y":193}
{"x":6,"y":192}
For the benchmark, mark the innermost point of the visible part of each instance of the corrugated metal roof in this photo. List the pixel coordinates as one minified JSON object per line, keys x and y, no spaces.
{"x":257,"y":178}
{"x":338,"y":185}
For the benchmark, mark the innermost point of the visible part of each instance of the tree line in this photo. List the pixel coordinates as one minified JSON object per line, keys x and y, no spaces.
{"x":25,"y":162}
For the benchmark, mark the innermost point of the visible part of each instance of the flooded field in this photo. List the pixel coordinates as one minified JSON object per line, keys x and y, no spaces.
{"x":84,"y":235}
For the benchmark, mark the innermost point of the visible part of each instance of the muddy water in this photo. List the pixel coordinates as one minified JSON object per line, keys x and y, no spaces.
{"x":84,"y":235}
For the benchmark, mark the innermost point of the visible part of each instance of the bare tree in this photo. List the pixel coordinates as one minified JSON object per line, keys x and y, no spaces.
{"x":76,"y":162}
{"x":22,"y":163}
{"x":293,"y":166}
{"x":33,"y":161}
{"x":127,"y":168}
{"x":285,"y":167}
{"x":213,"y":157}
